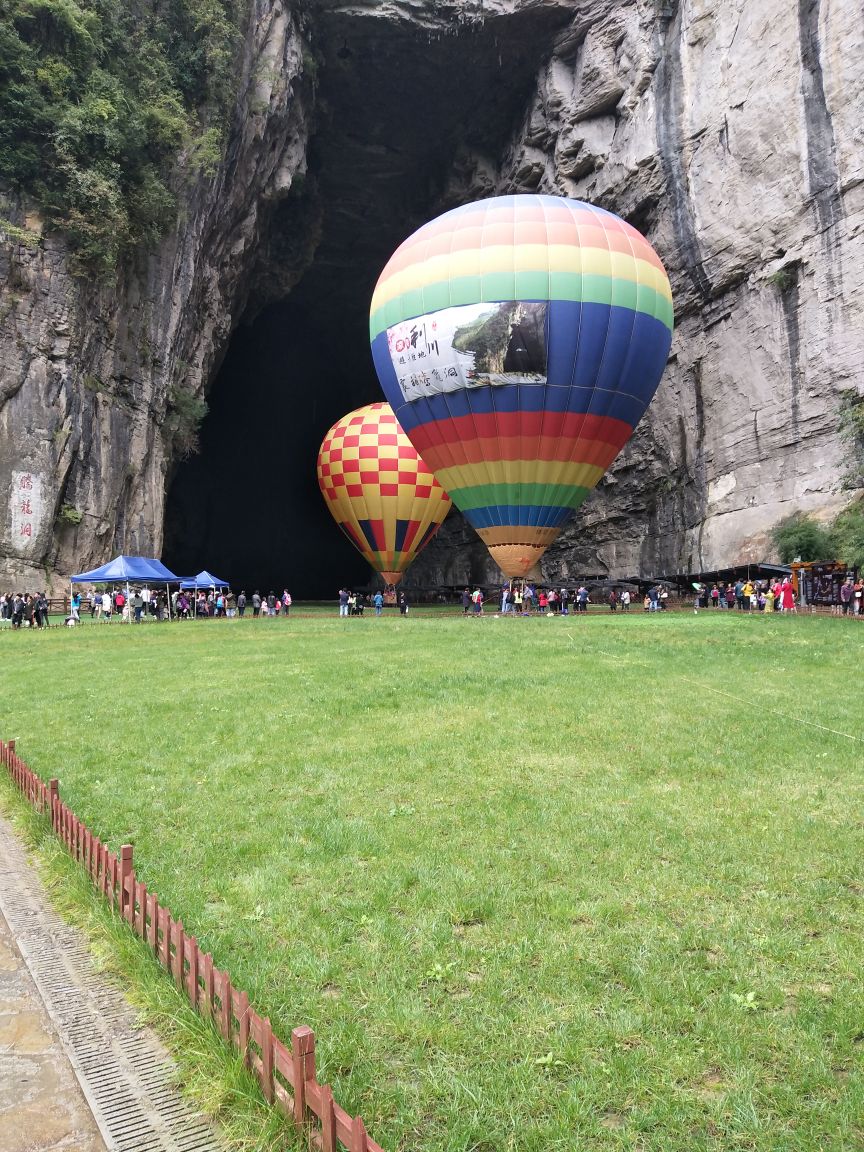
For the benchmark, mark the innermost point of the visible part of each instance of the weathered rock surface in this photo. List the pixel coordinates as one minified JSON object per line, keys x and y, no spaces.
{"x":87,"y":371}
{"x":730,"y":133}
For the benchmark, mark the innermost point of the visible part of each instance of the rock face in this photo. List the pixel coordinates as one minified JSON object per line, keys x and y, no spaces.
{"x":729,"y":133}
{"x":87,"y":372}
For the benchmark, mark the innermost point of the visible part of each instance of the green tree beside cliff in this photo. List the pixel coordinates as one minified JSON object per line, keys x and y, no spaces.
{"x":99,"y":98}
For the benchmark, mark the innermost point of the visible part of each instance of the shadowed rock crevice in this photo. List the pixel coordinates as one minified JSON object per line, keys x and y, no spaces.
{"x":670,"y":142}
{"x":823,"y":177}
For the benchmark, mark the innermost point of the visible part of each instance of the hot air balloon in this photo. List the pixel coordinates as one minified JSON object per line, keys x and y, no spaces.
{"x":519,"y":340}
{"x":378,"y":490}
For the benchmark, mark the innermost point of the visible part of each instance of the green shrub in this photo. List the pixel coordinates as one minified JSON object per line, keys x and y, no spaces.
{"x":69,"y":514}
{"x":183,"y":417}
{"x":801,"y":537}
{"x":97,"y":99}
{"x":852,"y":435}
{"x":848,"y":533}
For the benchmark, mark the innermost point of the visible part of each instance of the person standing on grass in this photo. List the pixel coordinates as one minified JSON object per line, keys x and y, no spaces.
{"x":625,"y":600}
{"x":857,"y":591}
{"x":256,"y":603}
{"x":528,"y":599}
{"x":613,"y":601}
{"x":241,"y":603}
{"x":477,"y":601}
{"x":343,"y":601}
{"x":403,"y":604}
{"x":378,"y":601}
{"x":582,"y":598}
{"x":846,"y":594}
{"x":787,"y":596}
{"x":542,"y":601}
{"x":137,"y":605}
{"x":286,"y":602}
{"x":466,"y":601}
{"x":107,"y":607}
{"x":75,"y":607}
{"x":42,"y":610}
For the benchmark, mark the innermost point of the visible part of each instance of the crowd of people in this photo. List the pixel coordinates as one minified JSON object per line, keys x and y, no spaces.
{"x":748,"y":596}
{"x":355,"y":603}
{"x":519,"y":598}
{"x":516,"y":598}
{"x":269,"y":605}
{"x":24,"y":609}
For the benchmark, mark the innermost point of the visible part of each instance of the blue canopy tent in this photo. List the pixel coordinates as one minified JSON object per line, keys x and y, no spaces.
{"x":122,"y":569}
{"x":203,"y":580}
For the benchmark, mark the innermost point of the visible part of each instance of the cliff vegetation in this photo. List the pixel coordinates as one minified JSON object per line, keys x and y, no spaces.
{"x":100,"y":99}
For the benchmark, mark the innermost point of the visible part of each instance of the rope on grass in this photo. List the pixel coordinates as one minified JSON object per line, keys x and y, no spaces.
{"x":741,"y":700}
{"x":773,"y":711}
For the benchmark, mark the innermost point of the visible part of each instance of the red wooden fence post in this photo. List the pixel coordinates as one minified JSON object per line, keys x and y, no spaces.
{"x":359,"y":1139}
{"x":125,"y":872}
{"x":11,"y":747}
{"x":178,"y":955}
{"x":54,"y":794}
{"x":328,"y":1120}
{"x":243,"y":1029}
{"x":207,"y":976}
{"x":267,"y":1061}
{"x":226,"y":1014}
{"x":303,"y":1064}
{"x":192,"y":985}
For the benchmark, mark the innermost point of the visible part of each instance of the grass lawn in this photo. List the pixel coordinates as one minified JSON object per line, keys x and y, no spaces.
{"x":536,"y":884}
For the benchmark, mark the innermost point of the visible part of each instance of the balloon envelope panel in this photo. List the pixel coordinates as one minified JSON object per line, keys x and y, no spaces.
{"x":379,"y":491}
{"x":519,"y":341}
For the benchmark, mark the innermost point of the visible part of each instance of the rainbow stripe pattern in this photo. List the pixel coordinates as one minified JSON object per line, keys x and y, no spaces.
{"x":518,"y":458}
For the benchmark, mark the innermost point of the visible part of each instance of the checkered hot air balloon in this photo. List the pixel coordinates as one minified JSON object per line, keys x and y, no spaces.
{"x":378,"y":490}
{"x":519,"y":340}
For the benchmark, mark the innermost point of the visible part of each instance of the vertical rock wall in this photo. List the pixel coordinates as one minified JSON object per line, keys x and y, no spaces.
{"x":731,"y":133}
{"x":87,"y":371}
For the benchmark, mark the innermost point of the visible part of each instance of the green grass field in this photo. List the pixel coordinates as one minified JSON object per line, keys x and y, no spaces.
{"x":536,"y":884}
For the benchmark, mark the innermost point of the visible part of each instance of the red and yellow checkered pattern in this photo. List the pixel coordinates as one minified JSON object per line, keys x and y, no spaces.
{"x":378,"y":490}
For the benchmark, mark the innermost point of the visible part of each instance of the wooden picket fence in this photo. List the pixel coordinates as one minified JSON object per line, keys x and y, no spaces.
{"x":286,"y":1074}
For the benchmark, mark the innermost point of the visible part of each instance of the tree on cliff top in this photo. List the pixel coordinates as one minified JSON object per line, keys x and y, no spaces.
{"x":97,"y":100}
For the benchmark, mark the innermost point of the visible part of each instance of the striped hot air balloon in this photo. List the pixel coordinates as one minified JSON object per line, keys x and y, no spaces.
{"x":519,"y":340}
{"x":378,"y":490}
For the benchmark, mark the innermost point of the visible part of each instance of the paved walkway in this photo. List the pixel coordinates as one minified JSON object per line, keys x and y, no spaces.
{"x":78,"y":1072}
{"x":42,"y":1107}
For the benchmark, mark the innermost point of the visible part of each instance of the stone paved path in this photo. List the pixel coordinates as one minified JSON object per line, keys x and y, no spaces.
{"x":42,"y":1107}
{"x":78,"y":1071}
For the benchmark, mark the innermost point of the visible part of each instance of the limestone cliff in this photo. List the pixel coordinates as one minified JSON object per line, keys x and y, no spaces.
{"x":89,"y":372}
{"x":730,"y":133}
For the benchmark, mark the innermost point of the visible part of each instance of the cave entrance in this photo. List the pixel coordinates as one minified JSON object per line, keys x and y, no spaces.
{"x":402,"y":115}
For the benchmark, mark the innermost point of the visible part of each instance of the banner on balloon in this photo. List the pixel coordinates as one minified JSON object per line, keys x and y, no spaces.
{"x":472,"y":346}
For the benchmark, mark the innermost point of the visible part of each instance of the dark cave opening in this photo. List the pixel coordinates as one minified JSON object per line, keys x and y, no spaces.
{"x":397,"y":112}
{"x":247,"y":506}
